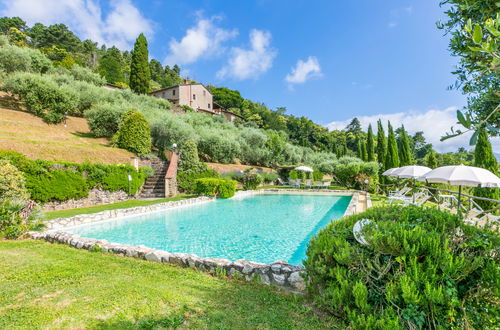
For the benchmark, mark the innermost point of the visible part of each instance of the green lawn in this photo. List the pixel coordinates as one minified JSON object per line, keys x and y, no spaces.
{"x":54,"y":286}
{"x":120,"y":205}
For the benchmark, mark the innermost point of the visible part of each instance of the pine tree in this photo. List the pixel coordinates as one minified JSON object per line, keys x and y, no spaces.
{"x":405,"y":157}
{"x":431,"y":159}
{"x":392,"y":157}
{"x":483,"y":157}
{"x":370,"y":145}
{"x":139,"y":67}
{"x":381,"y":144}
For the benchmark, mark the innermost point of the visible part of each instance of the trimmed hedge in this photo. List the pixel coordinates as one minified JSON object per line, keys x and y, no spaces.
{"x":218,"y":187}
{"x":422,"y":268}
{"x":46,"y":180}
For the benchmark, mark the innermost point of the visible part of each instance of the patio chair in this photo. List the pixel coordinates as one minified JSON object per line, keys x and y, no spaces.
{"x":283,"y":183}
{"x":399,"y":193}
{"x":308,"y":183}
{"x":326,"y":184}
{"x":295,"y":183}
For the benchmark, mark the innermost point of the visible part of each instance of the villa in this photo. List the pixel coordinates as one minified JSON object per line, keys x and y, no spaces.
{"x":196,"y":96}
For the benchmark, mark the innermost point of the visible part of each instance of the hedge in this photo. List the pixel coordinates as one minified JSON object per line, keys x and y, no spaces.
{"x":46,"y":180}
{"x":218,"y":187}
{"x":422,"y":268}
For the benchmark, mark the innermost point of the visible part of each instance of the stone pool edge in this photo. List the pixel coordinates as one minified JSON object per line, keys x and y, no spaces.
{"x":279,"y":273}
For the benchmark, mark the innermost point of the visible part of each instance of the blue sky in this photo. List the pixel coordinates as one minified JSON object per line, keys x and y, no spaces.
{"x":327,"y":60}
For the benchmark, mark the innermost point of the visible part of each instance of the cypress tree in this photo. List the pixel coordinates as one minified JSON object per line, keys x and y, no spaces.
{"x":405,"y":157}
{"x":392,"y":157}
{"x":364,"y":154}
{"x":360,"y":151}
{"x":370,"y":145}
{"x":139,"y":67}
{"x":431,"y":159}
{"x":483,"y":157}
{"x":381,"y":144}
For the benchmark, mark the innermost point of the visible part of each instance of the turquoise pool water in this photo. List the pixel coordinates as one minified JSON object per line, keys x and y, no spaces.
{"x":261,"y":228}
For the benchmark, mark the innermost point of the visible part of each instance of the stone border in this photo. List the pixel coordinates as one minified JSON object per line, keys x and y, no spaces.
{"x":81,"y":219}
{"x":279,"y":273}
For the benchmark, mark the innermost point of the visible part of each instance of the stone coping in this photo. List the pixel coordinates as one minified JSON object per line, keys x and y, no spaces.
{"x":60,"y":223}
{"x":280,"y":273}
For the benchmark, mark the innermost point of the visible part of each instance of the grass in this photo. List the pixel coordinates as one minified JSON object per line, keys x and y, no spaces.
{"x":378,"y":200}
{"x":120,"y":205}
{"x":52,"y":286}
{"x":25,"y":133}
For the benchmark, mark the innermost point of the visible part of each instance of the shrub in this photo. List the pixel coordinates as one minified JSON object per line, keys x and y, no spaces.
{"x":317,"y":175}
{"x":251,"y":180}
{"x":134,"y":133}
{"x":188,"y":152}
{"x":218,"y":148}
{"x":347,"y":171}
{"x":17,"y":217}
{"x":215,"y":187}
{"x":104,"y":119}
{"x":13,"y":58}
{"x":12,"y":183}
{"x":47,"y":180}
{"x":58,"y":185}
{"x":422,"y":268}
{"x":85,"y":74}
{"x":269,"y":177}
{"x":42,"y":96}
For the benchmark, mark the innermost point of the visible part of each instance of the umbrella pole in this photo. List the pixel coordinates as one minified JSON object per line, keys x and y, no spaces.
{"x":414,"y":190}
{"x":458,"y":204}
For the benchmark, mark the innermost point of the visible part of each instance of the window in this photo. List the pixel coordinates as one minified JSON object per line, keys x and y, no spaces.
{"x":204,"y":94}
{"x":209,"y":105}
{"x":194,"y":96}
{"x":173,"y":92}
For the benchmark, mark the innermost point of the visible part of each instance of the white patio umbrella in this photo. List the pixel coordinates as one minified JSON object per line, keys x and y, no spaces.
{"x":304,"y":169}
{"x":390,"y":171}
{"x":410,"y":171}
{"x":461,"y":175}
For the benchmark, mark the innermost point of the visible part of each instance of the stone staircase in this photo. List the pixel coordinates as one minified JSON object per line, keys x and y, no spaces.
{"x":154,"y":187}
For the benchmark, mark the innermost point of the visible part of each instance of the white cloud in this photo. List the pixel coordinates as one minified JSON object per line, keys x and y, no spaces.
{"x":304,"y":70}
{"x":397,"y":14}
{"x":434,"y":123}
{"x":203,"y":39}
{"x":250,"y":63}
{"x":119,"y":27}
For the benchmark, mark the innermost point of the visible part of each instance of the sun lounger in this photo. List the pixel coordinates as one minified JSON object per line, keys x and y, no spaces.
{"x":283,"y":183}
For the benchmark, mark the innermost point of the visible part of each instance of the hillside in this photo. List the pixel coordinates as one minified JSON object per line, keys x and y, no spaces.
{"x":25,"y":133}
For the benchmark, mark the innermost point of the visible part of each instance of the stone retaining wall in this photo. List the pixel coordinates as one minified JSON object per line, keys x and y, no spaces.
{"x":279,"y":273}
{"x":97,"y":196}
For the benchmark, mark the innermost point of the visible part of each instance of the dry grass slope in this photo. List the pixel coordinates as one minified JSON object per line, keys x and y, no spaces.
{"x":25,"y":133}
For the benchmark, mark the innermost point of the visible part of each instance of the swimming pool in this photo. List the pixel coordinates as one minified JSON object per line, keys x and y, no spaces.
{"x":262,"y":228}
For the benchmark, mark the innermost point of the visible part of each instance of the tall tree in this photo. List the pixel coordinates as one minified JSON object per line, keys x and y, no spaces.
{"x":360,"y":149}
{"x":381,"y":144}
{"x":111,"y":66}
{"x":483,"y":157}
{"x":405,"y":156}
{"x":370,"y":145}
{"x":431,"y":159}
{"x":364,"y":154}
{"x":139,"y":67}
{"x":392,"y":157}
